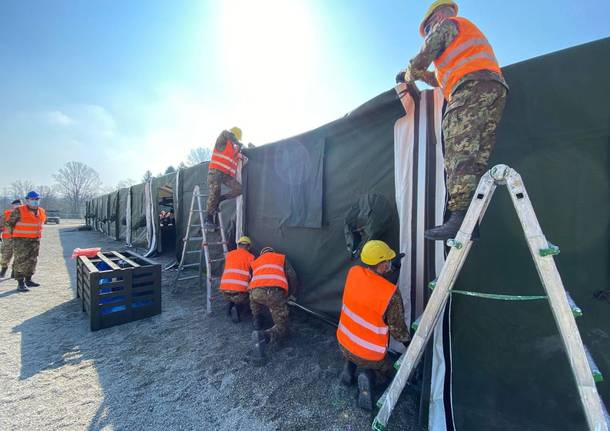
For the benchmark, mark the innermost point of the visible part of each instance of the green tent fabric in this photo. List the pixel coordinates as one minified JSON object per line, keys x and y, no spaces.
{"x":138,"y":216}
{"x":122,"y":213}
{"x":362,"y":142}
{"x":162,"y":191}
{"x":510,"y":371}
{"x":113,"y":211}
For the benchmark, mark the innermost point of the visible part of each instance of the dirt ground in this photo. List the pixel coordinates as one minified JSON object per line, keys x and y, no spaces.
{"x":180,"y":370}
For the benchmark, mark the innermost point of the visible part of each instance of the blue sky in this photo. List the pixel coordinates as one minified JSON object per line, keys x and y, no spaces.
{"x":126,"y":86}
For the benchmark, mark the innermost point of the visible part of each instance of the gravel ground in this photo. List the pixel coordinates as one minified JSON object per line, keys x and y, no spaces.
{"x":180,"y":370}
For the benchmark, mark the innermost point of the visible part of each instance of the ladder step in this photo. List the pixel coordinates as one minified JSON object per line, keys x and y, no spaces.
{"x":216,"y":243}
{"x":188,"y":278}
{"x":597,"y":374}
{"x":217,"y":260}
{"x":196,"y":211}
{"x":193,"y":251}
{"x":197,"y":238}
{"x":201,"y":195}
{"x":576,"y":310}
{"x":190,"y":265}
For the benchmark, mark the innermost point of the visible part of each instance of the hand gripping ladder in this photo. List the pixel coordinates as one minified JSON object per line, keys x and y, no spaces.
{"x":542,"y":252}
{"x":197,"y":235}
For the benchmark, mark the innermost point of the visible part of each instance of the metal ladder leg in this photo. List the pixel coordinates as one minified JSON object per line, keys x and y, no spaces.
{"x":542,"y":253}
{"x":455,"y":260}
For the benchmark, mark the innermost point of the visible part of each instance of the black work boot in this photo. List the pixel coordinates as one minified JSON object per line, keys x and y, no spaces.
{"x":235,"y":318}
{"x":31,"y":283}
{"x":447,"y":230}
{"x":348,"y":373}
{"x":261,"y":341}
{"x":257,"y":322}
{"x":21,"y":286}
{"x":366,"y":382}
{"x":3,"y":271}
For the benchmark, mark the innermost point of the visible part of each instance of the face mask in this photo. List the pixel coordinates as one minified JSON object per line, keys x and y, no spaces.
{"x":33,"y":204}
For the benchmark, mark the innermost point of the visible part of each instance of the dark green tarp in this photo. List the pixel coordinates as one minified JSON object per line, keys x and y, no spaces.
{"x":138,"y":216}
{"x":510,"y":371}
{"x":122,"y":214}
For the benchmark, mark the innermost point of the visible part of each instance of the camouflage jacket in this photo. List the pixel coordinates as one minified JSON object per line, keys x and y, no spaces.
{"x":221,"y":141}
{"x":15,"y":217}
{"x":395,"y":319}
{"x":435,"y":43}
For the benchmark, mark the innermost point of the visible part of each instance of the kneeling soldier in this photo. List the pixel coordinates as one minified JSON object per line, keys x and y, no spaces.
{"x":236,"y":278}
{"x":372,"y":310}
{"x":273,"y":281}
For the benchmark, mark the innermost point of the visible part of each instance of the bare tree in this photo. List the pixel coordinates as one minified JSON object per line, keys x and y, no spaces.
{"x":182,"y":165}
{"x":78,"y":183}
{"x":147,"y":176}
{"x":20,"y":188}
{"x":170,"y":170}
{"x":198,"y":155}
{"x":128,"y":182}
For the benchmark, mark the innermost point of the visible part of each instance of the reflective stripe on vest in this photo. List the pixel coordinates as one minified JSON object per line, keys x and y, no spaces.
{"x":6,"y":233}
{"x":268,"y":270}
{"x":29,"y":224}
{"x":236,"y":275}
{"x":468,"y":52}
{"x":362,"y":330}
{"x":226,"y":160}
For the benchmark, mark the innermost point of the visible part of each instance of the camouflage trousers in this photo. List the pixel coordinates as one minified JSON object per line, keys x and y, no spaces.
{"x":276,"y":300}
{"x":236,"y":297}
{"x":383,"y":369}
{"x":215,"y":181}
{"x":469,"y":131}
{"x":7,"y":252}
{"x":25,"y":255}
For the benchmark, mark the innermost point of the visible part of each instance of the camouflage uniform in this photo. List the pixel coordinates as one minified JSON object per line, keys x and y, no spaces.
{"x":7,"y":252}
{"x":276,"y":300}
{"x":216,"y":178}
{"x":394,"y":318}
{"x":25,"y":251}
{"x":473,"y":112}
{"x":236,"y":297}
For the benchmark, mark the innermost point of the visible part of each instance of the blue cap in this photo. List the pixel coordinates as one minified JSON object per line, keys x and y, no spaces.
{"x":32,"y":195}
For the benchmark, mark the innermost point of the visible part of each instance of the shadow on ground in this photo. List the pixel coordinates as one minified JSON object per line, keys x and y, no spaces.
{"x":185,"y":370}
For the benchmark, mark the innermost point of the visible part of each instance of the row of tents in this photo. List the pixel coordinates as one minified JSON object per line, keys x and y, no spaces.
{"x":378,"y":173}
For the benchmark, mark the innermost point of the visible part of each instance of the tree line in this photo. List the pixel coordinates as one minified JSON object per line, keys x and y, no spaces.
{"x":76,"y":183}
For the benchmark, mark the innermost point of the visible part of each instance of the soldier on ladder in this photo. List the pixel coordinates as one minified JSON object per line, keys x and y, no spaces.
{"x":222,"y":170}
{"x":469,"y":75}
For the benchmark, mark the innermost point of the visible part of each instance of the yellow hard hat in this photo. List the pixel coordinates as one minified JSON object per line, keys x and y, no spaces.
{"x":430,"y":11}
{"x":237,"y":132}
{"x":375,"y":252}
{"x":244,"y":240}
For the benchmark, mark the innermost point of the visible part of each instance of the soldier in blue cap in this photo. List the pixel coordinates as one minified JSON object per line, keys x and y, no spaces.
{"x":26,"y":223}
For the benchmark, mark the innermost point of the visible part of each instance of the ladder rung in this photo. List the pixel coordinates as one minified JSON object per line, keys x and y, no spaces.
{"x":190,"y":265}
{"x":196,"y":211}
{"x":197,"y":238}
{"x":201,"y":195}
{"x":217,"y":260}
{"x":215,"y":243}
{"x":193,"y":251}
{"x":188,"y":278}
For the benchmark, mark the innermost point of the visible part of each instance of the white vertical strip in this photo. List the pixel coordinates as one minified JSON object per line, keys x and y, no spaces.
{"x":239,"y":204}
{"x":421,"y":207}
{"x":404,"y":138}
{"x":151,"y":219}
{"x":437,"y":414}
{"x":128,"y":218}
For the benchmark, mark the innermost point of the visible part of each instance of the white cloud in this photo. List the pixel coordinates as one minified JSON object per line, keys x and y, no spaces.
{"x":58,"y":118}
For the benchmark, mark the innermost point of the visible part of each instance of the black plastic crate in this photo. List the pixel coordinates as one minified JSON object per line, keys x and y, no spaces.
{"x":118,"y":287}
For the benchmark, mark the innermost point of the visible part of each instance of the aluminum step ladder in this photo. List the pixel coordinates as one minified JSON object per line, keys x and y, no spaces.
{"x":542,"y":253}
{"x":197,"y":235}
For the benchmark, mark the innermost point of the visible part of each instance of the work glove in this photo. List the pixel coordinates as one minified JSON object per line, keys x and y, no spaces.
{"x":396,"y":264}
{"x":400,"y":77}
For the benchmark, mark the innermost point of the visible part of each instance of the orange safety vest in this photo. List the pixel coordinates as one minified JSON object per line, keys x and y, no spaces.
{"x":225,"y":161}
{"x":268,"y":270}
{"x":362,"y":330}
{"x":468,"y":52}
{"x":236,"y":276}
{"x":29,"y":224}
{"x":6,"y":233}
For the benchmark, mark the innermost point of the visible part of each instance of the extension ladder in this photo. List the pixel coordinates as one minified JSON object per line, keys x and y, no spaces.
{"x":542,"y":253}
{"x":196,"y":234}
